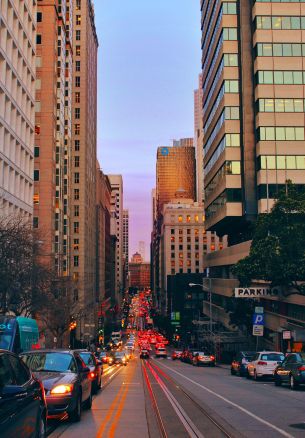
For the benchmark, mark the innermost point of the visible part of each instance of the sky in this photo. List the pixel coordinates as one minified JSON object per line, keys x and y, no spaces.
{"x":148,"y":67}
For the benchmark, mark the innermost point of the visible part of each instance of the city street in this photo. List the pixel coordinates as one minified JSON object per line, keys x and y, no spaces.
{"x":161,"y":397}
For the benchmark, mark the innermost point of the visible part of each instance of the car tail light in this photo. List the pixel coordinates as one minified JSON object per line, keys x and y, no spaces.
{"x":261,"y":362}
{"x":92,"y":375}
{"x":301,"y":368}
{"x":62,"y":389}
{"x":212,"y":357}
{"x":200,"y":357}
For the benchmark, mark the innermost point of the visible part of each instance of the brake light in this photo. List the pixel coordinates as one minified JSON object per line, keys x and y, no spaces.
{"x":261,"y":362}
{"x":62,"y":390}
{"x":92,"y":375}
{"x":301,"y":368}
{"x":200,"y":357}
{"x":212,"y":357}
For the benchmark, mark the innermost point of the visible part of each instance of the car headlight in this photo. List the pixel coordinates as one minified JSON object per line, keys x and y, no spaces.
{"x":62,"y":389}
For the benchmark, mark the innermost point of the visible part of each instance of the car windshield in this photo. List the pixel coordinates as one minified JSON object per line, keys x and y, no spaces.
{"x":201,"y":353}
{"x":249,"y":355}
{"x":52,"y":362}
{"x":273,"y":357}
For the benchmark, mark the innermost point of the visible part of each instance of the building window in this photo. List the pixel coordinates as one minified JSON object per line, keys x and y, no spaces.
{"x":77,"y":66}
{"x":180,"y":247}
{"x":188,"y":239}
{"x":173,"y":271}
{"x":196,"y":218}
{"x":180,"y":255}
{"x":36,"y":198}
{"x":75,"y":276}
{"x":76,"y":145}
{"x":76,"y":244}
{"x":180,"y":232}
{"x":76,"y":194}
{"x":188,"y":247}
{"x":76,"y":261}
{"x":36,"y":151}
{"x":173,"y":247}
{"x":38,"y":39}
{"x":77,"y":81}
{"x":188,"y":218}
{"x":35,"y":222}
{"x":78,"y":20}
{"x":75,"y":295}
{"x":180,"y":218}
{"x":39,"y":17}
{"x":77,"y":50}
{"x":172,"y":255}
{"x":180,"y":239}
{"x":77,"y":35}
{"x":76,"y":161}
{"x":76,"y":210}
{"x":78,"y":5}
{"x":36,"y":175}
{"x":77,"y":113}
{"x":76,"y":178}
{"x":77,"y":129}
{"x":172,"y":231}
{"x":172,"y":238}
{"x":197,"y":262}
{"x":77,"y":97}
{"x":76,"y":227}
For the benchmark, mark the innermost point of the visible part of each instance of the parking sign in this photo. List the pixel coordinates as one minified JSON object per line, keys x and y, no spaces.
{"x":258,"y":319}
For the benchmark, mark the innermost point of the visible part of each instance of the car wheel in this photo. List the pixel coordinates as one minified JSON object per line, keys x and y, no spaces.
{"x":255,"y":376}
{"x":76,"y":414}
{"x":88,"y":402}
{"x":42,"y":427}
{"x":292,"y":383}
{"x":277,"y":380}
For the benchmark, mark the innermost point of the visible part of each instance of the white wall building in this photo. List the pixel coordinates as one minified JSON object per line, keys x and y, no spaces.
{"x":17,"y":105}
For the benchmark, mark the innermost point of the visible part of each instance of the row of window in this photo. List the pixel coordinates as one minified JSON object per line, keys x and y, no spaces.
{"x":228,"y":195}
{"x":279,"y":49}
{"x":280,"y":1}
{"x":188,"y":231}
{"x":279,"y":77}
{"x":229,"y":140}
{"x":228,"y":168}
{"x":281,"y":162}
{"x":189,"y":255}
{"x":276,"y":23}
{"x":188,"y":218}
{"x":280,"y":105}
{"x":265,"y":191}
{"x":280,"y":133}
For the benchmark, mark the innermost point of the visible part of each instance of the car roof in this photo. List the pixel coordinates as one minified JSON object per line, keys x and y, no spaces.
{"x":50,"y":350}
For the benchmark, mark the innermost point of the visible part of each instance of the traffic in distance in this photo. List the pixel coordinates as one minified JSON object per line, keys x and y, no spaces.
{"x":145,"y":384}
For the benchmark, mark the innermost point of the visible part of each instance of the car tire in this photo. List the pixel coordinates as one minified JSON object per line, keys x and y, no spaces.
{"x":42,"y":427}
{"x":88,"y":402}
{"x":255,"y":376}
{"x":293,"y":385}
{"x":277,"y":380}
{"x":76,"y":414}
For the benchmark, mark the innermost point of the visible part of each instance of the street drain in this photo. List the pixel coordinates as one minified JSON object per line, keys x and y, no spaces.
{"x":298,"y":426}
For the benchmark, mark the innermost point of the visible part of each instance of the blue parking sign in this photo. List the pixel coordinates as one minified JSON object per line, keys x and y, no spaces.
{"x":258,"y":319}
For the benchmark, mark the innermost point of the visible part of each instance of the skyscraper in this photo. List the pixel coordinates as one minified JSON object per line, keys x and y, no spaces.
{"x":198,"y":139}
{"x":125,"y":246}
{"x":176,"y":172}
{"x":116,"y":182}
{"x":17,"y":106}
{"x":83,"y":159}
{"x":53,"y":131}
{"x":142,"y":249}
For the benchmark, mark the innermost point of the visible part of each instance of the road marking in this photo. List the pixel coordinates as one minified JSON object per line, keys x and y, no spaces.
{"x":190,"y":427}
{"x":261,"y":420}
{"x":109,"y":414}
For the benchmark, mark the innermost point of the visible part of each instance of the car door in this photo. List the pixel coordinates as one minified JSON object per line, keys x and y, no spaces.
{"x":28,"y":402}
{"x":83,"y":378}
{"x":8,"y":403}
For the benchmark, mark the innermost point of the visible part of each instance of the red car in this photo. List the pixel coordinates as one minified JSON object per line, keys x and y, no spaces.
{"x":176,"y":354}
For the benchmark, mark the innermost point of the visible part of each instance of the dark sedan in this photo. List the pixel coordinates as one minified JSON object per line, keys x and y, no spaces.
{"x":23,"y":407}
{"x":96,"y":369}
{"x":144,"y":354}
{"x":291,"y":371}
{"x":240,"y":362}
{"x":65,"y":378}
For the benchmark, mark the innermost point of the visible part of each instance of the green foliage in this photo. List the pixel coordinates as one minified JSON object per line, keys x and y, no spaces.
{"x":277,"y":252}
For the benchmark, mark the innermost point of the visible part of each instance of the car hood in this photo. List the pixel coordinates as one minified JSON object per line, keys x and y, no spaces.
{"x":51,"y":379}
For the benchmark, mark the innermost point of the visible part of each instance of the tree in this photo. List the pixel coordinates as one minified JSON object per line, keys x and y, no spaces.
{"x":277,"y":253}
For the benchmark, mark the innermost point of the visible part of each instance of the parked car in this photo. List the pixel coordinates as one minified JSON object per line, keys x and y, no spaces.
{"x":291,"y":371}
{"x":161,"y":352}
{"x":264,"y":364}
{"x":200,"y":358}
{"x":96,"y":369}
{"x":188,"y":355}
{"x":144,"y":354}
{"x":240,"y":362}
{"x":65,"y":378}
{"x":176,"y":354}
{"x":23,"y":410}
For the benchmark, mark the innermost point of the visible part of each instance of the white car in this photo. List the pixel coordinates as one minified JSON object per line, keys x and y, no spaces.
{"x":161,"y":352}
{"x":264,"y":364}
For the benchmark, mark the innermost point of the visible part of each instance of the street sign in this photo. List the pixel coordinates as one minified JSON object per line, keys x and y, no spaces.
{"x":256,"y":292}
{"x":286,"y":334}
{"x":259,"y":310}
{"x":258,"y":330}
{"x":258,"y":319}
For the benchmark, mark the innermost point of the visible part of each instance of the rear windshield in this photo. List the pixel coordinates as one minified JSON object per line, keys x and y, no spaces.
{"x":52,"y":362}
{"x":87,"y":358}
{"x":161,"y":349}
{"x":273,"y":357}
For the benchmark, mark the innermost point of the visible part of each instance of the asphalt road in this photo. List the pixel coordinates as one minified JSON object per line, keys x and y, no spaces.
{"x":165,"y":398}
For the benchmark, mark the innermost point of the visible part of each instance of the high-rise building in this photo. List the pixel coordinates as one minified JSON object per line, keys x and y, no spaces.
{"x":253,"y":123}
{"x":175,"y":172}
{"x":83,"y":159}
{"x":125,"y":247}
{"x":116,"y":182}
{"x":17,"y":106}
{"x":53,"y":131}
{"x":139,"y":272}
{"x":198,"y":140}
{"x":142,"y":249}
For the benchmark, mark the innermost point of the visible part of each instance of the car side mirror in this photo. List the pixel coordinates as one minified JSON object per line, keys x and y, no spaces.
{"x":12,"y":390}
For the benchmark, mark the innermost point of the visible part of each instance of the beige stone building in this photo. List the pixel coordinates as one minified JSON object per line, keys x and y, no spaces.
{"x":17,"y":105}
{"x":83,"y":165}
{"x":253,"y":126}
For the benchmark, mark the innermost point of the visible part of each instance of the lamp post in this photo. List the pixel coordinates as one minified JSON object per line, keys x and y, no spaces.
{"x":209,"y":290}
